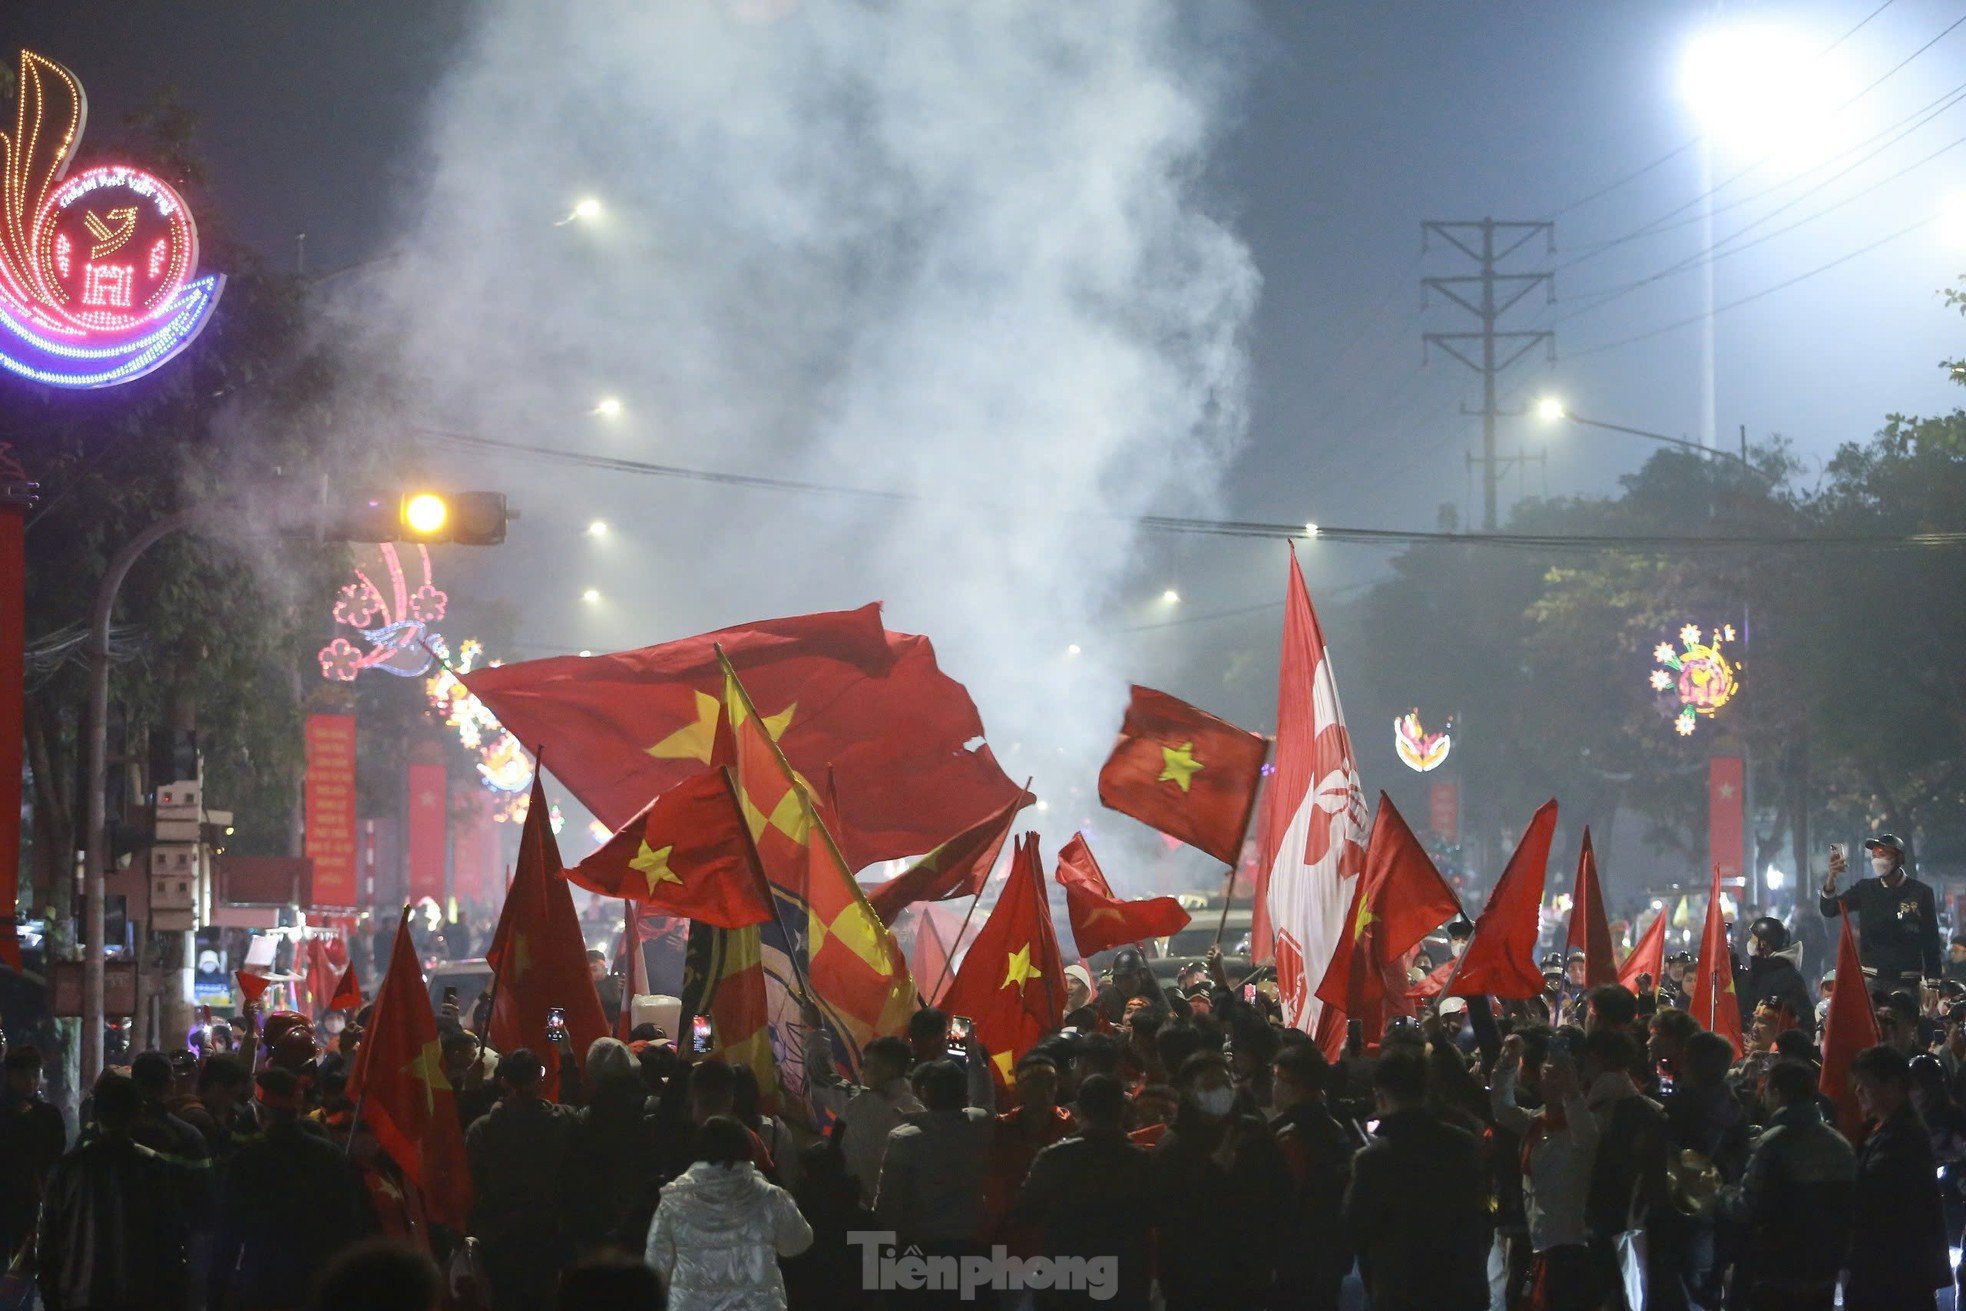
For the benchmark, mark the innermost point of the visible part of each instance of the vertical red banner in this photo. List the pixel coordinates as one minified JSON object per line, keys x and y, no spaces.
{"x":13,"y":644}
{"x":1726,"y":806}
{"x":328,"y":809}
{"x":428,"y":836}
{"x":475,"y":862}
{"x":1444,"y":809}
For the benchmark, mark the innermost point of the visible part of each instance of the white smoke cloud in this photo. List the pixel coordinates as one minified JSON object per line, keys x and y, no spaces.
{"x":961,"y":250}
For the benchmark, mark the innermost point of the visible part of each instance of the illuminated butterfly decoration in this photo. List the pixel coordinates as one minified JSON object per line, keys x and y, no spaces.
{"x":396,"y":625}
{"x":97,"y":268}
{"x":1419,"y":749}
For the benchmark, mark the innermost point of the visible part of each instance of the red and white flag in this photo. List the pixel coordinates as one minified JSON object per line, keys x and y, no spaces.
{"x":1314,"y":829}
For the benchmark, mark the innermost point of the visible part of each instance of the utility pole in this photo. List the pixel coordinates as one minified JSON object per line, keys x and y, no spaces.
{"x":1488,"y":295}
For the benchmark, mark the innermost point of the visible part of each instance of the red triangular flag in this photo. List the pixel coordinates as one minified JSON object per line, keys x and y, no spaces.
{"x":1501,"y":956}
{"x":347,"y":995}
{"x":1101,"y":920}
{"x":1399,"y":900}
{"x":398,"y":1083}
{"x":251,"y":986}
{"x":956,"y":868}
{"x":1649,"y":956}
{"x":1185,"y":772}
{"x":1712,"y":1001}
{"x":1589,"y":929}
{"x":1848,"y":1028}
{"x":1012,"y":980}
{"x":539,"y":955}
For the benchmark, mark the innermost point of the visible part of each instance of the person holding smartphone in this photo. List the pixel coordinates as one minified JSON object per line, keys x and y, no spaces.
{"x":1897,"y":916}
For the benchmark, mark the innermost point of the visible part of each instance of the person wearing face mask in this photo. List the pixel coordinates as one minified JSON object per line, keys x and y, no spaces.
{"x":1897,"y":921}
{"x":1220,"y":1195}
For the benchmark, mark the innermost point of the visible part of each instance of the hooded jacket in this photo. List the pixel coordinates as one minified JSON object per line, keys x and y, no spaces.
{"x":1777,"y":977}
{"x":717,"y":1236}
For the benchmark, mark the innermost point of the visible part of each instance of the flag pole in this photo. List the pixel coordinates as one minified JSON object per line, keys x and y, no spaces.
{"x":771,"y":895}
{"x":949,"y":956}
{"x":362,"y":1098}
{"x":1228,"y":893}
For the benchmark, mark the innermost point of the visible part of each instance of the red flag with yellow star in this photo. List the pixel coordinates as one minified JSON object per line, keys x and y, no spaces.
{"x":1185,"y":772}
{"x":404,"y":1098}
{"x":957,"y":868}
{"x":538,"y":954}
{"x":836,"y":689}
{"x":854,"y":968}
{"x":1712,"y":1001}
{"x":1399,"y":899}
{"x":686,"y":855}
{"x":1101,"y":920}
{"x":1012,"y":981}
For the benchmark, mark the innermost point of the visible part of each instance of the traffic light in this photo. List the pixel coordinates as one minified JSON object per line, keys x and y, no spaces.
{"x":465,"y":518}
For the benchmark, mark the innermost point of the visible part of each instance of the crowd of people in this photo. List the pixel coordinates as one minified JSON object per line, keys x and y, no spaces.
{"x":1179,"y":1143}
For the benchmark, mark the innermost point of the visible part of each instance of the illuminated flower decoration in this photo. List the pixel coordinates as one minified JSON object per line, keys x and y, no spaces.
{"x":503,"y":765}
{"x":1700,"y":677}
{"x":340,"y":661}
{"x":356,"y":605}
{"x":1418,"y":749}
{"x":428,"y":604}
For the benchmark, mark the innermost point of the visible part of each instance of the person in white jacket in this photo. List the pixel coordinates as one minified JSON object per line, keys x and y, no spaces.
{"x":720,"y":1228}
{"x":1559,"y":1148}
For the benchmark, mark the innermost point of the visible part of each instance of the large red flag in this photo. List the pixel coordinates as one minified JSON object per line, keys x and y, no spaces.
{"x":1713,"y":1001}
{"x":399,"y":1085}
{"x":321,"y":977}
{"x":957,"y":868}
{"x":1848,"y":1028}
{"x":1648,"y":956}
{"x":1313,"y":840}
{"x":1012,"y":980}
{"x":1101,"y":920}
{"x":835,"y":690}
{"x":539,"y":955}
{"x":1399,"y":900}
{"x":686,"y":855}
{"x":1185,"y":772}
{"x":1589,"y":927}
{"x":1501,"y":956}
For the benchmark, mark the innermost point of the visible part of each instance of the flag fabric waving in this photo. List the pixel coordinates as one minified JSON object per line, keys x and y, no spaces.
{"x":1501,"y":956}
{"x":1713,"y":1001}
{"x":724,"y":978}
{"x":1648,"y":956}
{"x":1848,"y":1028}
{"x":398,"y":1082}
{"x":956,"y":868}
{"x":836,"y":690}
{"x":1185,"y":772}
{"x":1012,"y":979}
{"x":251,"y":987}
{"x":538,"y":954}
{"x":1397,"y":902}
{"x":634,"y":972}
{"x":1313,"y":841}
{"x":1590,"y":930}
{"x":347,"y":994}
{"x":686,"y":854}
{"x":321,"y":977}
{"x":1101,"y":920}
{"x":858,"y":976}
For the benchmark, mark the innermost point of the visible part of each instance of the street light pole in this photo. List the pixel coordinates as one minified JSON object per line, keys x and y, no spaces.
{"x":1550,"y":409}
{"x":95,"y":844}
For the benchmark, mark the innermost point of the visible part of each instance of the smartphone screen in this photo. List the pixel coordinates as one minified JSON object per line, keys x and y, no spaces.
{"x":960,"y":1027}
{"x":701,"y":1041}
{"x":556,"y":1021}
{"x":450,"y":995}
{"x":1249,"y":993}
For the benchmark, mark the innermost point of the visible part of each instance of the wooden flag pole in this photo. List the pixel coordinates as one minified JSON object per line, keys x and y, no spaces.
{"x":1228,"y":894}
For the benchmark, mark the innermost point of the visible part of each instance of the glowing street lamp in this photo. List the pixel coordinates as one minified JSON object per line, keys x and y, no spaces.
{"x":585,"y":210}
{"x":598,"y":528}
{"x":1549,"y":409}
{"x":608,"y":407}
{"x":1170,"y":597}
{"x":592,"y":596}
{"x":1765,"y":91}
{"x":1552,"y":410}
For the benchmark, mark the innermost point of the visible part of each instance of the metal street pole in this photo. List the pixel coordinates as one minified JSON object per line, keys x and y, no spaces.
{"x":17,"y":496}
{"x":1711,"y":451}
{"x":94,"y":849}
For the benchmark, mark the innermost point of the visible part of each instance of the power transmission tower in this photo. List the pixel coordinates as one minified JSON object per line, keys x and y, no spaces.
{"x":1488,"y":295}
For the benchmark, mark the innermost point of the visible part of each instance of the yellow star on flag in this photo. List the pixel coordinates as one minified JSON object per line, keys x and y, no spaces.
{"x":1363,"y":918}
{"x":695,"y":740}
{"x":1178,"y":765}
{"x":1104,"y":913}
{"x":654,"y":866}
{"x":1018,"y":968}
{"x":428,"y":1070}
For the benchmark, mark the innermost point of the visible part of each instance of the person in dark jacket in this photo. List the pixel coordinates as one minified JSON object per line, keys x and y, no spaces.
{"x":610,"y":1155}
{"x":1897,"y":920}
{"x":1702,"y":1116}
{"x":289,"y":1201}
{"x":1219,"y":1188}
{"x":518,"y":1157}
{"x":1773,"y":974}
{"x":32,"y":1138}
{"x":1417,"y":1208}
{"x":1897,"y":1240}
{"x":827,"y":1276}
{"x":1091,"y":1196}
{"x":1795,"y":1201}
{"x":111,"y":1236}
{"x":1317,"y":1151}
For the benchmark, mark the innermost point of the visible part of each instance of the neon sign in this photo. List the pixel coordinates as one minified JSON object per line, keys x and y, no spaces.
{"x":1418,"y":749}
{"x":1700,"y":676}
{"x":97,"y":270}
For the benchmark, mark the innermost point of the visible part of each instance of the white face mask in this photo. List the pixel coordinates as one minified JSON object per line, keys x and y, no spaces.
{"x":1881,"y":864}
{"x":1216,"y":1102}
